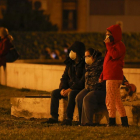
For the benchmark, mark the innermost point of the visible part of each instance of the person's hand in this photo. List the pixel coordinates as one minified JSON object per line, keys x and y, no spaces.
{"x":100,"y":80}
{"x":62,"y":92}
{"x":65,"y":94}
{"x":107,"y":40}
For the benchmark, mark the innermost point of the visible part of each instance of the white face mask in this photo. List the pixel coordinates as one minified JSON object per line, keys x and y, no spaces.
{"x":72,"y":55}
{"x":88,"y":60}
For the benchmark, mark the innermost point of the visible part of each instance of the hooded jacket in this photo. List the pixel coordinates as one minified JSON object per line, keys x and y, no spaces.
{"x":92,"y":75}
{"x":114,"y":58}
{"x":74,"y":74}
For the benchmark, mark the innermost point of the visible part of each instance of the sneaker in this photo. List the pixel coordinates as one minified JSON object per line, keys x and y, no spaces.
{"x":50,"y":121}
{"x":67,"y":122}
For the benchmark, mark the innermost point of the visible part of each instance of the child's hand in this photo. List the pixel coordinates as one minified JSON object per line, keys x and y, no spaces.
{"x":107,"y":40}
{"x":100,"y":80}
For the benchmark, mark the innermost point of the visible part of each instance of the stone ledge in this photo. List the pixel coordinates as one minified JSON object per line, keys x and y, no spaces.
{"x":40,"y":108}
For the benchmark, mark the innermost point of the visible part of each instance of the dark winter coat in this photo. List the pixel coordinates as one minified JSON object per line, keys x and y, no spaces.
{"x":5,"y":46}
{"x":73,"y":76}
{"x":114,"y":58}
{"x":92,"y":75}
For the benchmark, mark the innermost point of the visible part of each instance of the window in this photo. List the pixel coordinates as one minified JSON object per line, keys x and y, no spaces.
{"x":69,"y":14}
{"x":69,"y":20}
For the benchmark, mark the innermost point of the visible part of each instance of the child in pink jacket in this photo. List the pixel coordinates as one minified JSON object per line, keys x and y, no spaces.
{"x":113,"y":74}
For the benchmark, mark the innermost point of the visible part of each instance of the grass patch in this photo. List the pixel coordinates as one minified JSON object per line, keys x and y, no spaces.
{"x":12,"y":128}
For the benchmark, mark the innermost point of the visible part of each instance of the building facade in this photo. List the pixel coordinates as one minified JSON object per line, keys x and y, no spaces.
{"x":91,"y":15}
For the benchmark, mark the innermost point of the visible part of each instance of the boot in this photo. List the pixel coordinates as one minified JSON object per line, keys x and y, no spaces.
{"x":112,"y":122}
{"x":124,"y":121}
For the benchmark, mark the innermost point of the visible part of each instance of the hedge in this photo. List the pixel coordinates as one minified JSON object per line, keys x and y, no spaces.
{"x":30,"y":44}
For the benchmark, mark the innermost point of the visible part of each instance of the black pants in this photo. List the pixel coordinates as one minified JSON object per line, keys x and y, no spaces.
{"x":55,"y":96}
{"x":89,"y":102}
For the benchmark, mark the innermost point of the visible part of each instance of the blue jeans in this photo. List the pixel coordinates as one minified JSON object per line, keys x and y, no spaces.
{"x":56,"y":96}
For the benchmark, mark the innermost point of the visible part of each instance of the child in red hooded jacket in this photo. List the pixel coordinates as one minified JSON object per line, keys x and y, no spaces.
{"x":113,"y":74}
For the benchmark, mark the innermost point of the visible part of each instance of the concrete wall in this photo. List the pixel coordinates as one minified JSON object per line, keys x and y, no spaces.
{"x":132,"y":7}
{"x":3,"y":75}
{"x":34,"y":76}
{"x":100,"y":23}
{"x":46,"y":77}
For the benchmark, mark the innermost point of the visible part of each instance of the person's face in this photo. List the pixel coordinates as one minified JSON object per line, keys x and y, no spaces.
{"x":87,"y":54}
{"x":109,"y":37}
{"x":108,"y":34}
{"x":88,"y":58}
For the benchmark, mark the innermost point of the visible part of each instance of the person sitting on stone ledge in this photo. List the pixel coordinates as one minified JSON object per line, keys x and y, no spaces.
{"x":72,"y":82}
{"x":92,"y":98}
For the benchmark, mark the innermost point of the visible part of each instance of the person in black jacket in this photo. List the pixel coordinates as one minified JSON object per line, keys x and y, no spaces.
{"x":72,"y":82}
{"x":92,"y":98}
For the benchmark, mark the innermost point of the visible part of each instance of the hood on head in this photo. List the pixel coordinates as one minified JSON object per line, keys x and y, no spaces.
{"x":79,"y":48}
{"x":116,"y":32}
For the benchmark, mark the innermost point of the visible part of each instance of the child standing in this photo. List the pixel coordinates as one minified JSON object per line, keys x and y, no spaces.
{"x":113,"y":74}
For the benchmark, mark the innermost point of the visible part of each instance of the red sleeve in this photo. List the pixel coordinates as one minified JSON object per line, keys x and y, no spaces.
{"x":4,"y":47}
{"x":115,"y":51}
